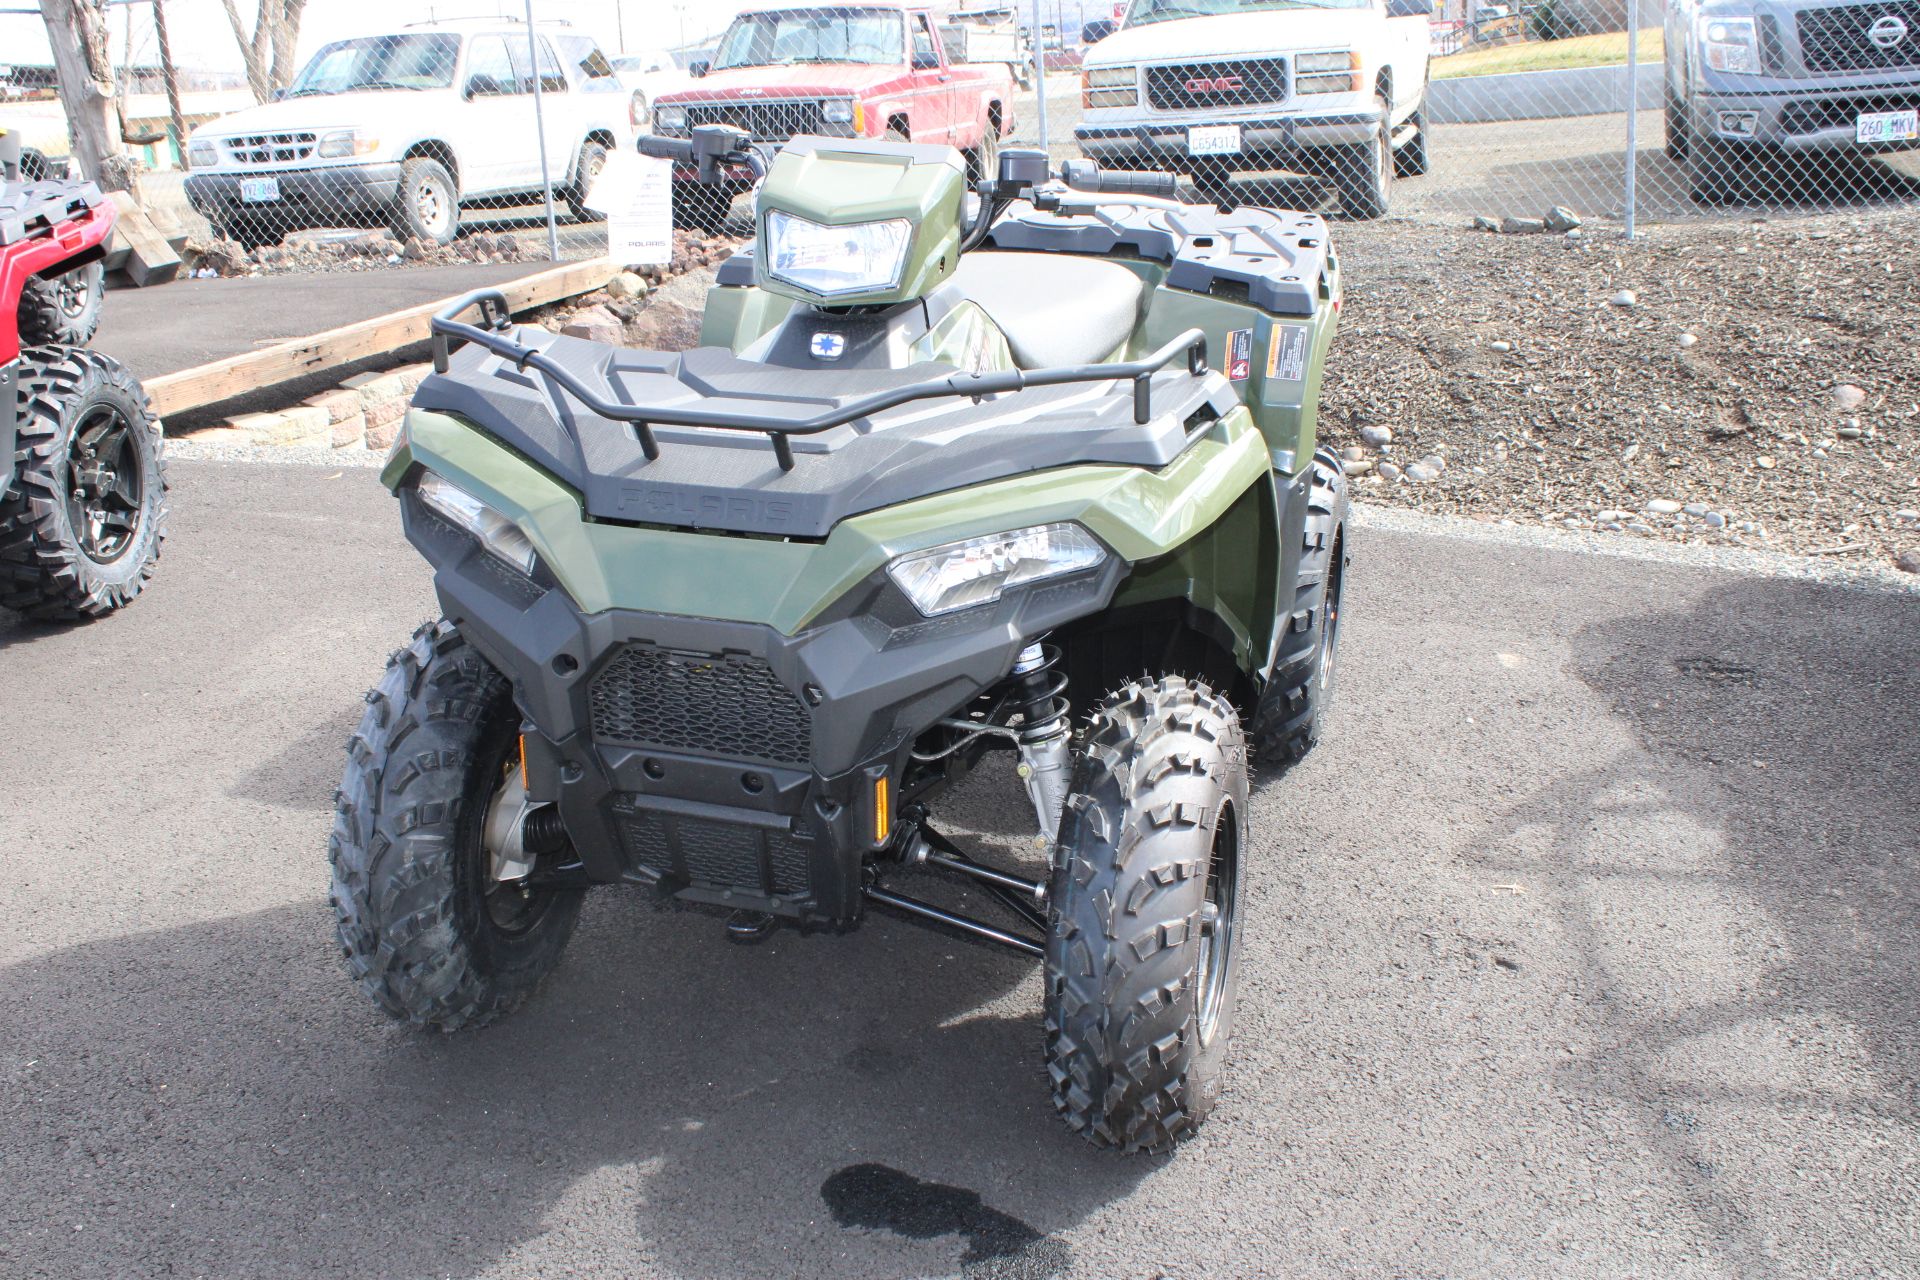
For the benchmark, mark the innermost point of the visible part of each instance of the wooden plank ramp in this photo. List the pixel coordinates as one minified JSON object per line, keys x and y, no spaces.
{"x":297,"y":357}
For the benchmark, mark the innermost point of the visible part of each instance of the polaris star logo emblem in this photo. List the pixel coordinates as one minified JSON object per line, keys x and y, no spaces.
{"x":1888,"y":31}
{"x":1216,"y":84}
{"x":829,"y":346}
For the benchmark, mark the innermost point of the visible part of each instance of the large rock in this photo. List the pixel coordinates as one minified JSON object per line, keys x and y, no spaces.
{"x":671,"y":319}
{"x":596,"y":324}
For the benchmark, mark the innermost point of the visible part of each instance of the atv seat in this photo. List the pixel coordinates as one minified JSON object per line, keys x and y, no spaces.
{"x":1054,"y":308}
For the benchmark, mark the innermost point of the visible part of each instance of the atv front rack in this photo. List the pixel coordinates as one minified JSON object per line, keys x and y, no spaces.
{"x":494,"y":316}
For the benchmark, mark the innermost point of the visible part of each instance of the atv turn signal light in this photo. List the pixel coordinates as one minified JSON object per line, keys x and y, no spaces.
{"x":882,"y":814}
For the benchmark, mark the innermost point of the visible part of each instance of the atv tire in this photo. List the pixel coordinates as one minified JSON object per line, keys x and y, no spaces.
{"x":427,"y":932}
{"x":62,"y":310}
{"x":82,"y":523}
{"x":1140,"y":972}
{"x":1293,"y":705}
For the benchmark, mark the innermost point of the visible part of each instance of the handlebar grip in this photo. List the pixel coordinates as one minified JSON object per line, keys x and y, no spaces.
{"x":665,"y":148}
{"x":1085,"y":175}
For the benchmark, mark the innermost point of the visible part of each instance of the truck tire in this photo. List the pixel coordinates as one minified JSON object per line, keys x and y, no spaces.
{"x":427,"y":205}
{"x":1411,"y":159}
{"x":82,"y":523}
{"x":1679,"y":128}
{"x":983,"y":161}
{"x":1147,"y":877}
{"x":593,"y":158}
{"x":1718,"y":174}
{"x":701,"y":206}
{"x":1363,"y":173}
{"x":1293,"y":704}
{"x":62,"y":310}
{"x":428,"y":934}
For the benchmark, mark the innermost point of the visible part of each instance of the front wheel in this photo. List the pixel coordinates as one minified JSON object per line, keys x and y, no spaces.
{"x":1363,"y":172}
{"x":430,"y":931}
{"x":1413,"y":158}
{"x":593,"y":158}
{"x":1679,"y":128}
{"x":427,"y":205}
{"x":82,"y":524}
{"x":1147,"y":880}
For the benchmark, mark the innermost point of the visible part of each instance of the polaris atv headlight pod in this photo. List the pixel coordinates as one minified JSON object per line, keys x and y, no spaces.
{"x":979,"y":570}
{"x":496,"y":534}
{"x":831,"y":261}
{"x":859,"y":223}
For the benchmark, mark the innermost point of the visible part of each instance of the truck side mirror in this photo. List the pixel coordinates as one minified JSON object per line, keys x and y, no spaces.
{"x":699,"y":67}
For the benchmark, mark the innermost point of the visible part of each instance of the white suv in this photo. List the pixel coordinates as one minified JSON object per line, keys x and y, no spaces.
{"x":400,"y":129}
{"x":1335,"y":88}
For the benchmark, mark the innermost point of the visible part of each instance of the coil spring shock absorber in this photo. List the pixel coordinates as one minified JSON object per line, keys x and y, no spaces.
{"x":1046,"y":733}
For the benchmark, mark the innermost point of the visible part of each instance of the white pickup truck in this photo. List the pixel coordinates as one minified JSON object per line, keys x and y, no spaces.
{"x":1334,"y":88}
{"x":402,"y":128}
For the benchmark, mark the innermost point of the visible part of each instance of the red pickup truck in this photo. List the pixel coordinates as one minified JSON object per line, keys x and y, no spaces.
{"x":868,"y":70}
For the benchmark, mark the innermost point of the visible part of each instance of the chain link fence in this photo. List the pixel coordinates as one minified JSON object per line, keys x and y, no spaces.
{"x":1614,"y":112}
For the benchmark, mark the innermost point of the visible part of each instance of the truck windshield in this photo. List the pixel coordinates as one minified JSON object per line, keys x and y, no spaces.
{"x":1141,"y":12}
{"x":780,"y":37}
{"x":379,"y":62}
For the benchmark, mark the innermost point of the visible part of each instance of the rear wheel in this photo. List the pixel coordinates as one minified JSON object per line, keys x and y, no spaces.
{"x":1363,"y":172}
{"x":81,"y":527}
{"x":427,"y":205}
{"x":1144,"y":896}
{"x":1299,"y":689}
{"x":593,"y":158}
{"x":62,"y":310}
{"x":430,"y":933}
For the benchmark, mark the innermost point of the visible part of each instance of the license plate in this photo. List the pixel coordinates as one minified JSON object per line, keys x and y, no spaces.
{"x":259,"y":190}
{"x":1887,"y":126}
{"x":1214,"y":140}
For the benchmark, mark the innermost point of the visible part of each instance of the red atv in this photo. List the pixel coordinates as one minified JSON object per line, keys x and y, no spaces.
{"x":83,"y":491}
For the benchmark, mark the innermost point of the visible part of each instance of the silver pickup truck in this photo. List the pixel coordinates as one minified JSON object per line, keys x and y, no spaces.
{"x":1755,"y":87}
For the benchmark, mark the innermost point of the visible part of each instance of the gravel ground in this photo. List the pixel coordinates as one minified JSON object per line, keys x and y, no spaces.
{"x":1756,"y":376}
{"x":1583,"y":946}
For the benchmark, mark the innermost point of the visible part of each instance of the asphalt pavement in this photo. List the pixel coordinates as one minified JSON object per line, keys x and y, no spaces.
{"x":1584,"y":946}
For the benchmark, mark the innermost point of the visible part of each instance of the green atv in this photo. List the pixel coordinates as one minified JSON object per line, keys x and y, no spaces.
{"x":953,"y":476}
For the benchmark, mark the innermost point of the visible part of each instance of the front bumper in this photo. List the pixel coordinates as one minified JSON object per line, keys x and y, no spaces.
{"x":726,"y":762}
{"x":1792,"y":115}
{"x":1267,"y":142}
{"x":342,"y":195}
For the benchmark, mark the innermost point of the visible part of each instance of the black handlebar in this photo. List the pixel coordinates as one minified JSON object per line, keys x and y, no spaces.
{"x":1085,"y":175}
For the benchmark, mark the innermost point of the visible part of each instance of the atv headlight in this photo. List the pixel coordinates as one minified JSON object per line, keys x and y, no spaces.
{"x":979,"y":570}
{"x":858,"y":258}
{"x":1730,"y":45}
{"x":499,"y":536}
{"x":342,"y":143}
{"x":667,"y":119}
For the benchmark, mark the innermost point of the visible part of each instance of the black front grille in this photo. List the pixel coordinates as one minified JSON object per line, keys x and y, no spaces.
{"x":271,"y":148}
{"x":716,"y":855}
{"x":726,"y":705}
{"x":766,"y":121}
{"x":1192,"y":86}
{"x":1841,"y":39}
{"x":1840,"y":113}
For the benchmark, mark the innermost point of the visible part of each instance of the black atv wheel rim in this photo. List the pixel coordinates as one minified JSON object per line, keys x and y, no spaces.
{"x":1217,"y":913}
{"x":1330,"y":632}
{"x":105,"y":485}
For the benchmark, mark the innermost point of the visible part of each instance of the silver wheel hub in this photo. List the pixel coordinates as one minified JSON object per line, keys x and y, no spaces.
{"x":502,"y":834}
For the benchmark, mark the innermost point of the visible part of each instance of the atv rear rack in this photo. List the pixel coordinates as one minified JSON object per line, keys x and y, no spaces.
{"x":494,"y":316}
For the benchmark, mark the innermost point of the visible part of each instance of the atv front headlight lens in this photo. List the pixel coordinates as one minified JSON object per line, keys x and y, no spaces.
{"x":960,"y":575}
{"x":496,"y":534}
{"x":829,"y":261}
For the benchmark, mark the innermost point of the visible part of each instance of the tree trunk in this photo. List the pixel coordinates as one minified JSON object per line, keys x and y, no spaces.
{"x":76,"y":32}
{"x":268,"y":52}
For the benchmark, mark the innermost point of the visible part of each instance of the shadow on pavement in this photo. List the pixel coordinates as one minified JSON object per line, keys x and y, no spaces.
{"x":839,"y":1106}
{"x":1742,"y":893}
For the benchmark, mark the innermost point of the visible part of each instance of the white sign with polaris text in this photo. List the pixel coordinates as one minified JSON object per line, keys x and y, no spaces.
{"x":636,"y":194}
